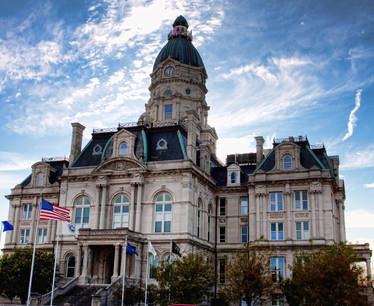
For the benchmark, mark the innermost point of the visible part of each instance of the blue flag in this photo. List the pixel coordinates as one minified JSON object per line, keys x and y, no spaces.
{"x":130,"y":249}
{"x":7,"y":226}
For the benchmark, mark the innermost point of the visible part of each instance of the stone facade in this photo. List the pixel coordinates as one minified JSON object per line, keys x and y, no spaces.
{"x":159,"y":180}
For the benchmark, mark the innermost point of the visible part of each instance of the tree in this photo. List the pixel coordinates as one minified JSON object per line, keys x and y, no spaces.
{"x":15,"y":272}
{"x":328,"y":276}
{"x":248,"y":276}
{"x":134,"y":293}
{"x":185,"y":280}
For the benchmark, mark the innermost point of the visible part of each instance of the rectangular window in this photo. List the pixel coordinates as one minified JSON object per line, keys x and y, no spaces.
{"x":277,"y":268}
{"x":27,"y":210}
{"x":25,"y":236}
{"x":301,"y":200}
{"x":222,"y":234}
{"x":82,"y":216}
{"x":168,"y":111}
{"x":244,"y":230}
{"x":302,"y":230}
{"x":42,"y":235}
{"x":244,"y":206}
{"x":276,"y":201}
{"x":208,"y":234}
{"x":222,"y":264}
{"x":276,"y":231}
{"x":222,"y":206}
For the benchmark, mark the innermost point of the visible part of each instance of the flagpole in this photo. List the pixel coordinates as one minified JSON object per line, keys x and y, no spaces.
{"x":124,"y":274}
{"x":54,"y":270}
{"x":146,"y":275}
{"x":1,"y":231}
{"x":33,"y":258}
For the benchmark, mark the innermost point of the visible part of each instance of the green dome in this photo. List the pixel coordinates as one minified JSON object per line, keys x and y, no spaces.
{"x":180,"y":48}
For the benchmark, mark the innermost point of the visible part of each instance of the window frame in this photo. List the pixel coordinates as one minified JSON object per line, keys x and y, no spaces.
{"x":70,"y":268}
{"x":287,"y":164}
{"x":123,"y":215}
{"x":277,"y":204}
{"x":244,"y":208}
{"x":233,"y":177}
{"x":153,"y":262}
{"x":303,"y":233}
{"x":27,"y":211}
{"x":199,"y":217}
{"x":83,"y":205}
{"x":164,"y":217}
{"x":301,"y":203}
{"x":277,"y":267}
{"x":244,"y":236}
{"x":276,"y":231}
{"x":42,"y":235}
{"x":123,"y":149}
{"x":168,"y":111}
{"x":40,"y":179}
{"x":222,"y":234}
{"x":24,"y":236}
{"x":222,"y":206}
{"x":222,"y":270}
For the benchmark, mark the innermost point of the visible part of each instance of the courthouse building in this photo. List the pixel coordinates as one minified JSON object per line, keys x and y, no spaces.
{"x":159,"y":179}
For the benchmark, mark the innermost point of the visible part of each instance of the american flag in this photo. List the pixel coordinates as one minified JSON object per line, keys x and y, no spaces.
{"x":55,"y":212}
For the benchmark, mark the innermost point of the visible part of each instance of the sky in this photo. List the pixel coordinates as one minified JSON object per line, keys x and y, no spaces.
{"x":275,"y":69}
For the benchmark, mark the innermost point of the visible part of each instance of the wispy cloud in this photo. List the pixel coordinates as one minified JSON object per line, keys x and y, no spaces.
{"x":359,"y":159}
{"x":369,"y":185}
{"x":359,"y":218}
{"x":352,"y":117}
{"x":10,"y":161}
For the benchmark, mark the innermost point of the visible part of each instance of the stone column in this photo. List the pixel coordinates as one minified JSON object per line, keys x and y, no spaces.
{"x":115,"y":265}
{"x":17,"y":208}
{"x":85,"y":261}
{"x":89,"y":262}
{"x":97,"y":209}
{"x":34,"y":219}
{"x":312,"y":203}
{"x":341,"y":220}
{"x":258,"y":230}
{"x":138,"y":208}
{"x":103,"y":207}
{"x":368,"y":271}
{"x":264,"y":214}
{"x":288,"y":207}
{"x":321,"y":215}
{"x":78,"y":262}
{"x":132,"y":208}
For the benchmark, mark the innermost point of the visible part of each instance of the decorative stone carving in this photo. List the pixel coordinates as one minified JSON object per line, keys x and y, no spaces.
{"x":260,"y":190}
{"x":315,"y":187}
{"x":276,"y":215}
{"x":222,"y":220}
{"x":302,"y":215}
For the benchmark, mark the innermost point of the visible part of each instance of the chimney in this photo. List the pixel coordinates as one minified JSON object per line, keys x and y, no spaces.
{"x":259,"y":149}
{"x":76,"y":141}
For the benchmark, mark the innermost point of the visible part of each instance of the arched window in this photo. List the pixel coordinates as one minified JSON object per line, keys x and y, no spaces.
{"x":123,"y":149}
{"x":70,"y":266}
{"x":153,"y":263}
{"x":121,"y":211}
{"x":169,"y":257}
{"x":163,"y":212}
{"x":82,"y":211}
{"x":40,"y":179}
{"x":233,"y":177}
{"x":199,"y":216}
{"x":287,"y":162}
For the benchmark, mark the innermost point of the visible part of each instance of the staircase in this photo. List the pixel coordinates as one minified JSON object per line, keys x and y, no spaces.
{"x":80,"y":295}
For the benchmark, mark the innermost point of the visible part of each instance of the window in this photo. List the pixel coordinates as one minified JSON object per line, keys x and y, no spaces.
{"x":121,"y":211}
{"x":233,"y":177}
{"x":276,"y":231}
{"x":188,"y":91}
{"x":222,"y":234}
{"x":276,"y":202}
{"x":277,"y":268}
{"x":163,"y":213}
{"x":301,"y":200}
{"x":169,"y":257}
{"x":168,"y":111}
{"x":199,"y":213}
{"x":222,"y":206}
{"x":27,"y":210}
{"x":287,"y":162}
{"x":82,"y":211}
{"x":40,"y":179}
{"x":302,"y":230}
{"x":25,"y":236}
{"x":70,"y":266}
{"x":162,"y":144}
{"x":244,"y":230}
{"x":153,"y":263}
{"x":42,"y":235}
{"x":244,"y":206}
{"x":123,"y":149}
{"x":222,"y":264}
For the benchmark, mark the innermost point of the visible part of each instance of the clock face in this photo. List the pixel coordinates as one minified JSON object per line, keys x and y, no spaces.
{"x":169,"y":71}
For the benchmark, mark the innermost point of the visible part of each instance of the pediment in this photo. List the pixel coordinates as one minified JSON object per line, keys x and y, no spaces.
{"x":120,"y":164}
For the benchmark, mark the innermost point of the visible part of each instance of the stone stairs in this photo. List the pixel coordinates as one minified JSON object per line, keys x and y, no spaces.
{"x":79,"y":295}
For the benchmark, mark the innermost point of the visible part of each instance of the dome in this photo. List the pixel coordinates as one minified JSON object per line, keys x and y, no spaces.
{"x":179,"y":46}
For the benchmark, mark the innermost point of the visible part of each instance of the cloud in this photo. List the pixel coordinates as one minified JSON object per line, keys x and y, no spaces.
{"x":10,"y":161}
{"x":352,"y":117}
{"x":359,"y":219}
{"x":10,"y":179}
{"x":369,"y":185}
{"x":359,"y":159}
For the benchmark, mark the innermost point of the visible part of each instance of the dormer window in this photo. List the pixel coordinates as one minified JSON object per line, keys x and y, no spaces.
{"x":40,"y":179}
{"x":233,"y":178}
{"x":123,"y":149}
{"x":168,"y":111}
{"x":287,"y":162}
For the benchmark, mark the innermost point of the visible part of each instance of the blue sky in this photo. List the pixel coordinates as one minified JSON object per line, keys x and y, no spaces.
{"x":275,"y":68}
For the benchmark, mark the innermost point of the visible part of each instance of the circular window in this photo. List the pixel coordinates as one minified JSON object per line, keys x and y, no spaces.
{"x":169,"y":71}
{"x":188,"y":91}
